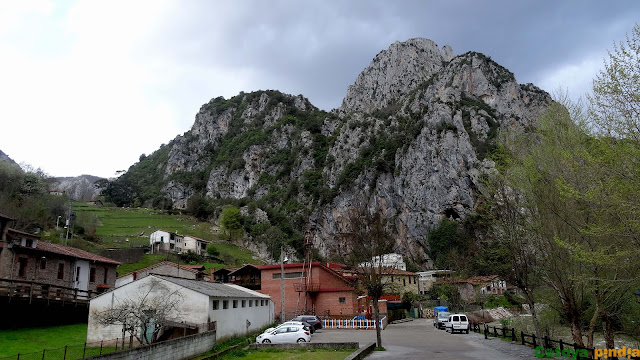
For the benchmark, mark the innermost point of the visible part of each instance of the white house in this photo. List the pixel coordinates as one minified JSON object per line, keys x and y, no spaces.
{"x":391,"y":260}
{"x":161,"y":240}
{"x":236,"y":310}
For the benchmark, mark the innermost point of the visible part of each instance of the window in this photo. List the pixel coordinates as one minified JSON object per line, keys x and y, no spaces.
{"x":342,"y":300}
{"x":404,"y":282}
{"x":289,"y":275}
{"x":214,"y":305}
{"x":391,"y":278}
{"x":235,"y":304}
{"x":171,"y":246}
{"x":92,"y":275}
{"x":29,"y":243}
{"x":106,"y":272}
{"x":43,"y":264}
{"x":61,"y":271}
{"x":282,"y":330}
{"x":23,"y":266}
{"x":244,"y":303}
{"x":161,"y":238}
{"x":225,"y":304}
{"x":250,"y":303}
{"x":77,"y":273}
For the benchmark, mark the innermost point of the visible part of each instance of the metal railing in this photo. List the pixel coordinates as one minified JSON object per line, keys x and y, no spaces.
{"x":35,"y":290}
{"x":358,"y":324}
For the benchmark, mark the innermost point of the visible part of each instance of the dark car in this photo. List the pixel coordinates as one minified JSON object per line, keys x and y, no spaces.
{"x":310,"y":319}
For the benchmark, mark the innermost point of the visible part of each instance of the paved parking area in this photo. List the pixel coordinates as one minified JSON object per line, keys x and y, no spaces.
{"x":418,"y":339}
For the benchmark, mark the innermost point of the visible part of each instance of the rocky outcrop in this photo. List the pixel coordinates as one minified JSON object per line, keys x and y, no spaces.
{"x":394,"y":72}
{"x":413,"y":138}
{"x":79,"y":188}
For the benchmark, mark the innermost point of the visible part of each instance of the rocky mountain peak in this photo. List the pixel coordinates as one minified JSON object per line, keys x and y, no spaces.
{"x":395,"y":72}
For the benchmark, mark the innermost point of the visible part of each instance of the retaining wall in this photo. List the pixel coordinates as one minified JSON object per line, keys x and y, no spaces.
{"x":176,"y":349}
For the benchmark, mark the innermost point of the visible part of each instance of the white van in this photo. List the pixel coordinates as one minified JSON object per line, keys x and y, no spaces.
{"x":457,"y":322}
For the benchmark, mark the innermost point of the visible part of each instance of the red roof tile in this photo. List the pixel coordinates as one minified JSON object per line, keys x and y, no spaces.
{"x":73,"y":252}
{"x":183,"y":267}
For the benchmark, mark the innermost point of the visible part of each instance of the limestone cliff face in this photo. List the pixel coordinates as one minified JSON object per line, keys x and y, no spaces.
{"x":412,"y":138}
{"x":79,"y":188}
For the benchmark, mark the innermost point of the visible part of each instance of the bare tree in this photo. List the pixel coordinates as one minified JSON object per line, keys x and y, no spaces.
{"x":145,"y":314}
{"x":362,"y":245}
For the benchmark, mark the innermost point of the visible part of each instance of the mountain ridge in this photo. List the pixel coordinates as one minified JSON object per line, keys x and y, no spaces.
{"x":412,"y":138}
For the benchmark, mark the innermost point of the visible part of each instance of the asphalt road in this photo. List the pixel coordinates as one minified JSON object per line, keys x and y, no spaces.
{"x":418,"y":339}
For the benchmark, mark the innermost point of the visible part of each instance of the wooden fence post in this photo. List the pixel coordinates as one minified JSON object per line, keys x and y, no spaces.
{"x":534,"y":341}
{"x":522,"y":337}
{"x":546,"y":342}
{"x":513,"y":335}
{"x":495,"y":332}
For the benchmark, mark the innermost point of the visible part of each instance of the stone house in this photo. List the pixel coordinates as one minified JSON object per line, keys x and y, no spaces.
{"x":426,"y":279}
{"x":399,"y":281}
{"x":51,"y":269}
{"x":236,"y":310}
{"x":474,"y":288}
{"x":163,"y":268}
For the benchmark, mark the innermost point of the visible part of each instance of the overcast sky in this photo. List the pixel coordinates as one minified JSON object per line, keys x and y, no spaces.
{"x":88,"y":86}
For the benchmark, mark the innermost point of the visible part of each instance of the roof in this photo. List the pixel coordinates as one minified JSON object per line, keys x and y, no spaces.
{"x":14,"y":231}
{"x":212,"y":288}
{"x":225,"y":270}
{"x":241,"y":269}
{"x":183,"y":267}
{"x":286,"y":266}
{"x":4,"y":216}
{"x":195,"y":267}
{"x":394,"y":271}
{"x":182,"y":235}
{"x":481,"y":279}
{"x":71,"y":252}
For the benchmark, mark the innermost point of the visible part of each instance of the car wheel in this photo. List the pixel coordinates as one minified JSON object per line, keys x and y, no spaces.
{"x":301,"y":340}
{"x":266,"y":341}
{"x":467,"y":330}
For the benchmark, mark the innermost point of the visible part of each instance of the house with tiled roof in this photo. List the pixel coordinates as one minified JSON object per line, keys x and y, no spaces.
{"x":168,"y":241}
{"x":399,"y":281}
{"x":478,"y":286}
{"x":163,"y":268}
{"x":29,"y":266}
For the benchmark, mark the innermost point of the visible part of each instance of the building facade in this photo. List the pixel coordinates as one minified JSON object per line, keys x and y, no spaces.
{"x":52,"y":269}
{"x":236,"y":310}
{"x":166,"y":241}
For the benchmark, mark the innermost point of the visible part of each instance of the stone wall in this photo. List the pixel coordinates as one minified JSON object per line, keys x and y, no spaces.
{"x":176,"y":349}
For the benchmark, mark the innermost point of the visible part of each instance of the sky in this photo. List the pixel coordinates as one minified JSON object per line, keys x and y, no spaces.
{"x":86,"y":87}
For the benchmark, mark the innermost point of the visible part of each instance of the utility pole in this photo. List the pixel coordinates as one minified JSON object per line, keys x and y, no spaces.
{"x":282,"y":316}
{"x":69,"y":220}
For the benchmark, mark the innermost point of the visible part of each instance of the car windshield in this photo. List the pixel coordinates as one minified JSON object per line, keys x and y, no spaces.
{"x":443,"y":315}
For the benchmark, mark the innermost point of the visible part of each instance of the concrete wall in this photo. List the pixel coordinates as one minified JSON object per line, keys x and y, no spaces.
{"x":175,"y":349}
{"x":233,"y":321}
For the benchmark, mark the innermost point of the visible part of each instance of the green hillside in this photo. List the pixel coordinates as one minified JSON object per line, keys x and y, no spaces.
{"x":111,"y":227}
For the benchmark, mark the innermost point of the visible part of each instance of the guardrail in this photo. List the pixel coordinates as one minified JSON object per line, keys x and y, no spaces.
{"x":353,"y":324}
{"x":532,"y":340}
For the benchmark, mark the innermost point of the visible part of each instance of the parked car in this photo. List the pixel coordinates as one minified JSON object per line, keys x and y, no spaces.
{"x":458,"y":322}
{"x":285,"y":335}
{"x":441,"y":319}
{"x":311,"y":319}
{"x":305,"y":325}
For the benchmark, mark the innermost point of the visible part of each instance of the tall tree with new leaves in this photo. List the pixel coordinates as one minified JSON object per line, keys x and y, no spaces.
{"x":364,"y":239}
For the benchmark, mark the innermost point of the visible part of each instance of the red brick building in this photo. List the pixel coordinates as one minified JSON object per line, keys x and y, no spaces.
{"x":325,"y":292}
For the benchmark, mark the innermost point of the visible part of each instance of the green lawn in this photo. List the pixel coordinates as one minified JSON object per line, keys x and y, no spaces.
{"x":31,"y":340}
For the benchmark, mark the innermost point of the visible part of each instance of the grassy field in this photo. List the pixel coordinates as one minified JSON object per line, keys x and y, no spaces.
{"x":124,"y":227}
{"x":23,"y":341}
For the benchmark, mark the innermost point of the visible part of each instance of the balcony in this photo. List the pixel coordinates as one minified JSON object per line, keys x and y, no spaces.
{"x":309,"y":288}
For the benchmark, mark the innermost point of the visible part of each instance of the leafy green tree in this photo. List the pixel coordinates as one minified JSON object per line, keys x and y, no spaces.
{"x":231,"y":221}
